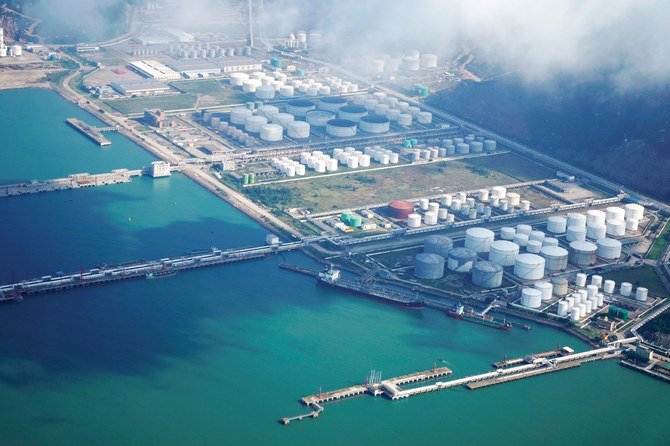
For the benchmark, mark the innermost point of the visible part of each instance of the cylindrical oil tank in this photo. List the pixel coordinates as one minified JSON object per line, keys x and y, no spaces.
{"x":487,"y":274}
{"x":595,"y":216}
{"x":580,"y":280}
{"x":319,"y":118}
{"x":342,"y":128}
{"x":272,"y":132}
{"x":616,"y":228}
{"x":430,"y":218}
{"x":596,"y":231}
{"x":300,"y":107}
{"x":641,"y":294}
{"x":582,"y":253}
{"x":298,"y":129}
{"x":404,"y":119}
{"x":268,"y":111}
{"x":576,"y":233}
{"x":286,"y":91}
{"x":462,"y":148}
{"x":536,"y":235}
{"x":632,"y":224}
{"x":433,"y":207}
{"x":556,"y":258}
{"x":428,"y":60}
{"x":489,"y":145}
{"x":461,"y":259}
{"x":608,"y":286}
{"x":575,"y":314}
{"x":531,"y":298}
{"x":238,"y":116}
{"x":550,"y":241}
{"x":626,"y":289}
{"x":591,"y":291}
{"x":529,"y":267}
{"x":250,"y":85}
{"x":560,"y":286}
{"x":393,"y":114}
{"x":352,"y":112}
{"x":634,"y":211}
{"x":414,"y":220}
{"x":479,"y":239}
{"x":253,"y":123}
{"x":496,"y":191}
{"x":283,"y":119}
{"x":562,"y":309}
{"x":265,"y":92}
{"x":546,"y":289}
{"x":576,"y":219}
{"x":332,"y":103}
{"x":477,"y":147}
{"x":237,"y":79}
{"x":507,"y":233}
{"x":521,"y":240}
{"x":609,"y":248}
{"x":374,"y":124}
{"x":615,"y":213}
{"x":533,"y":246}
{"x":424,"y":117}
{"x":428,"y":266}
{"x":524,"y":229}
{"x":556,"y":224}
{"x":438,"y":244}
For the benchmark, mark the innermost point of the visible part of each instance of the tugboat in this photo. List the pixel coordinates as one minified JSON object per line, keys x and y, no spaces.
{"x":458,"y":311}
{"x":331,"y":277}
{"x":163,"y":274}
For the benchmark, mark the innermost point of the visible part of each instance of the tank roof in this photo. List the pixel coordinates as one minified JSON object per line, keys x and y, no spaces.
{"x":353,"y":109}
{"x":334,"y":100}
{"x":580,"y":245}
{"x":302,"y":103}
{"x":486,"y":266}
{"x":553,"y":251}
{"x":375,"y":119}
{"x":529,"y":259}
{"x":429,"y":258}
{"x":341,"y":123}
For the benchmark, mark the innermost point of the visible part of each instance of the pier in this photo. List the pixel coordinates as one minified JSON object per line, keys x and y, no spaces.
{"x":139,"y":270}
{"x":74,"y":181}
{"x":92,"y":133}
{"x":536,"y":364}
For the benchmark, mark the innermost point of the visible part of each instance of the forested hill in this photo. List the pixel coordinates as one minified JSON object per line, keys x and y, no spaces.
{"x":623,"y":137}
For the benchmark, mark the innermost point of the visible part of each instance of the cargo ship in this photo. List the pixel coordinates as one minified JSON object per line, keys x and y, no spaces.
{"x":458,"y":311}
{"x":332,"y":278}
{"x":164,"y":274}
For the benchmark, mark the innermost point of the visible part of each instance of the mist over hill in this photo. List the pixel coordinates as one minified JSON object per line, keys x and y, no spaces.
{"x":623,"y":136}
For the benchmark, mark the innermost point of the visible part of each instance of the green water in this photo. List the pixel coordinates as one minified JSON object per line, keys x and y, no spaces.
{"x":217,"y":356}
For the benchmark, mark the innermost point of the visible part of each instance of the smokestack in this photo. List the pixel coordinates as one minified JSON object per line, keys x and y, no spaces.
{"x":251,"y":25}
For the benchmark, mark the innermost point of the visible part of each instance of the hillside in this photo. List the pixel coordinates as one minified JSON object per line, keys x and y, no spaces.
{"x":623,"y":137}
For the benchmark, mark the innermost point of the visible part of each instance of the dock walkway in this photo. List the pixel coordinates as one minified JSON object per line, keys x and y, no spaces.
{"x":89,"y":131}
{"x":74,"y":181}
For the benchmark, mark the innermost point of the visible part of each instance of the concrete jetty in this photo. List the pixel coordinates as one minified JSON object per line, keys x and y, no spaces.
{"x":89,"y":131}
{"x":74,"y":181}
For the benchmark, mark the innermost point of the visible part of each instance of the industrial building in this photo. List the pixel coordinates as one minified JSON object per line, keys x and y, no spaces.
{"x":194,"y":68}
{"x":156,"y":118}
{"x":239,"y":64}
{"x":178,"y":35}
{"x":160,"y":169}
{"x":144,"y":87}
{"x":155,"y":70}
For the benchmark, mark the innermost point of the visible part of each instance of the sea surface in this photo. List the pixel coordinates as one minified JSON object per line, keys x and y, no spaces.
{"x":217,"y":356}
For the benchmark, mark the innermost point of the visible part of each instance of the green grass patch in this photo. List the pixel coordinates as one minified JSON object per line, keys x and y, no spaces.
{"x":660,"y":244}
{"x":210,"y":92}
{"x":167,"y":103}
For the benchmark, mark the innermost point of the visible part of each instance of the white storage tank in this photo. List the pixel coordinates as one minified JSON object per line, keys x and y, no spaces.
{"x":269,"y":111}
{"x":479,"y":239}
{"x":529,"y":267}
{"x":238,"y":116}
{"x":596,"y":231}
{"x":536,"y":235}
{"x":597,"y":280}
{"x":503,"y":252}
{"x":250,"y":85}
{"x":521,"y":240}
{"x":352,"y":112}
{"x":595,"y":216}
{"x":524,"y":229}
{"x":575,"y":314}
{"x":424,"y":117}
{"x":414,"y":220}
{"x":487,"y":274}
{"x":531,"y":298}
{"x":461,"y":260}
{"x":616,"y":228}
{"x":546,"y":289}
{"x":298,"y":129}
{"x":265,"y":92}
{"x":556,"y":224}
{"x":300,"y":107}
{"x":641,"y":294}
{"x":507,"y":233}
{"x":286,"y":91}
{"x":582,"y":253}
{"x":560,"y":286}
{"x":438,"y":244}
{"x":626,"y":289}
{"x":319,"y":118}
{"x":428,"y":60}
{"x":428,"y":266}
{"x":496,"y":191}
{"x":634,"y":211}
{"x":576,"y":233}
{"x":609,"y":248}
{"x":283,"y":119}
{"x":632,"y":224}
{"x":374,"y":124}
{"x":404,"y":120}
{"x":562,"y":309}
{"x":615,"y":213}
{"x":550,"y":241}
{"x":253,"y":123}
{"x":576,"y":219}
{"x":237,"y":79}
{"x":580,"y":280}
{"x":608,"y":286}
{"x":533,"y":246}
{"x":489,"y":145}
{"x":342,"y":128}
{"x":272,"y":132}
{"x":556,"y":258}
{"x":430,"y":218}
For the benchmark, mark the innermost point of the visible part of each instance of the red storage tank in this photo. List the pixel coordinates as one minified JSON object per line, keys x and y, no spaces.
{"x":400,"y":209}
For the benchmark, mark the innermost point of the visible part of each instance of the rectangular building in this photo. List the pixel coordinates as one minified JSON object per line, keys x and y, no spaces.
{"x":155,"y":70}
{"x":160,"y":169}
{"x":144,"y":87}
{"x":195,"y":68}
{"x":233,"y":65}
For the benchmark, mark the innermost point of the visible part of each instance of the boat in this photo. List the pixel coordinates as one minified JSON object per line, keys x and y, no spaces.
{"x":458,"y":311}
{"x":163,"y":274}
{"x":332,"y":278}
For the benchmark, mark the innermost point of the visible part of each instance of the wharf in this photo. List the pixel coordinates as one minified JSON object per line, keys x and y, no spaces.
{"x":74,"y":181}
{"x":504,"y":379}
{"x":299,"y":269}
{"x":89,"y":131}
{"x":654,"y":370}
{"x":527,"y":358}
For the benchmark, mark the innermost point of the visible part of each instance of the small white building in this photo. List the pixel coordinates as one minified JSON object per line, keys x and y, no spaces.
{"x":271,"y":239}
{"x":160,"y":169}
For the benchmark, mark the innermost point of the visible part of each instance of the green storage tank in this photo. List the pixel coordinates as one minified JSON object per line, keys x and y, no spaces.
{"x":425,"y":91}
{"x":355,"y":221}
{"x":245,"y":179}
{"x":275,"y":62}
{"x":415,"y":142}
{"x":299,"y":72}
{"x":407,"y":144}
{"x":618,"y":312}
{"x":252,"y":178}
{"x":251,"y":105}
{"x":345,"y":217}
